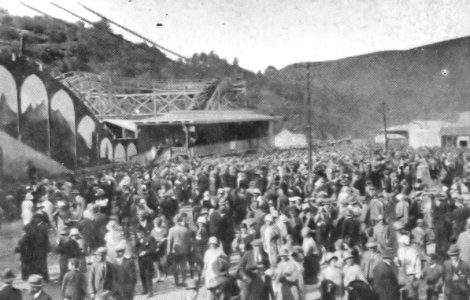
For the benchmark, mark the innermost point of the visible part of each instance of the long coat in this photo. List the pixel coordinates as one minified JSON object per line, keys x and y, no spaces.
{"x":385,"y":282}
{"x":456,"y":285}
{"x":125,"y":279}
{"x":252,"y":286}
{"x":97,"y":281}
{"x":33,"y":248}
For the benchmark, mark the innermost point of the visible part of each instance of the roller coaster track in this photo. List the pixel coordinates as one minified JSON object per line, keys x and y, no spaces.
{"x":124,"y":98}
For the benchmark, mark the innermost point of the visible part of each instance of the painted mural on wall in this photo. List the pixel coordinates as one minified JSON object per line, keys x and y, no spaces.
{"x":35,"y":114}
{"x":8,"y":103}
{"x":63,"y":129}
{"x":106,"y":149}
{"x":119,"y":153}
{"x":86,"y":131}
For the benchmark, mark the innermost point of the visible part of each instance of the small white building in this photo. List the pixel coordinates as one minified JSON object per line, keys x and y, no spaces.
{"x":288,"y":140}
{"x":415,"y":134}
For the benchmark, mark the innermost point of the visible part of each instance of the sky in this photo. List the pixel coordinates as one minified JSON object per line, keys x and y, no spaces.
{"x":262,"y":33}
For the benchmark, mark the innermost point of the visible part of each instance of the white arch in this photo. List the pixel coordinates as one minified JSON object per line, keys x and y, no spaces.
{"x":8,"y":89}
{"x":61,"y":102}
{"x":119,"y":153}
{"x":34,"y":96}
{"x":86,"y":127}
{"x":106,"y":149}
{"x":131,"y":150}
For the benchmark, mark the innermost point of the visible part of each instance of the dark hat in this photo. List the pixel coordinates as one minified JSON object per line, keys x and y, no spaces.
{"x":8,"y":276}
{"x":453,"y":250}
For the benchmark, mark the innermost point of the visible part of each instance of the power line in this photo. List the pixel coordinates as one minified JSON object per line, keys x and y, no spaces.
{"x":135,"y":33}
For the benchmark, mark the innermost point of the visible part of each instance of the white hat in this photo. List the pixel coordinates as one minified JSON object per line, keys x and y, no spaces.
{"x":74,"y":232}
{"x":294,"y":198}
{"x":213,"y":240}
{"x":201,"y":219}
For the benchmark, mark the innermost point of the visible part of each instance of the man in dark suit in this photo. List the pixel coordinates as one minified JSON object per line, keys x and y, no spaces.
{"x":8,"y":292}
{"x":385,"y":282}
{"x":178,"y":247}
{"x":456,"y":276}
{"x":145,"y":248}
{"x":35,"y":281}
{"x":74,"y":282}
{"x":125,"y":277}
{"x":250,"y":269}
{"x":100,"y":277}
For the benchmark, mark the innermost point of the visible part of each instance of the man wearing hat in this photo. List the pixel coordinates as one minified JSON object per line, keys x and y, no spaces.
{"x":8,"y":292}
{"x":369,"y":259}
{"x":433,"y":278}
{"x":67,"y":248}
{"x":249,"y":271}
{"x":125,"y":277}
{"x":35,"y":282}
{"x":456,"y":276}
{"x":385,"y":282}
{"x":74,"y":282}
{"x":178,"y":245}
{"x":100,"y":276}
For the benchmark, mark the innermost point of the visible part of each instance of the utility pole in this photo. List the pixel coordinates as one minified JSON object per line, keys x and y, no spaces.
{"x":385,"y":125}
{"x":309,"y":119}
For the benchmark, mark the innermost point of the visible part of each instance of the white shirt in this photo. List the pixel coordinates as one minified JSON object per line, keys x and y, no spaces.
{"x":27,"y":211}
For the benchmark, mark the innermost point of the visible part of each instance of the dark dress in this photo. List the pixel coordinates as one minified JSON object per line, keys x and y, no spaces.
{"x":33,"y":248}
{"x":385,"y":282}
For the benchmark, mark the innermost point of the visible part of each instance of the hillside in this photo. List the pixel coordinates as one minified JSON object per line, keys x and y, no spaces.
{"x":426,"y":82}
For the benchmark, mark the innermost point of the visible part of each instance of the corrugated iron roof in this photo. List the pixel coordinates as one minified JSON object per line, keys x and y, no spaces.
{"x":455,"y":130}
{"x":206,"y":117}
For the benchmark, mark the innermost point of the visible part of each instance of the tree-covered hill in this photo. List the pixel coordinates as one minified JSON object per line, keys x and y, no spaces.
{"x":426,"y":82}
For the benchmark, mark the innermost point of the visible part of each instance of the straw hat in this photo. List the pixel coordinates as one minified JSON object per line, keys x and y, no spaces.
{"x":35,"y":280}
{"x":213,"y":240}
{"x":453,"y":250}
{"x":101,"y":251}
{"x":371,"y":243}
{"x":74,"y":232}
{"x":329,"y":256}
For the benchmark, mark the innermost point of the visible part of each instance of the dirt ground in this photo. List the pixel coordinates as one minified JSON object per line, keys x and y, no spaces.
{"x":10,"y":233}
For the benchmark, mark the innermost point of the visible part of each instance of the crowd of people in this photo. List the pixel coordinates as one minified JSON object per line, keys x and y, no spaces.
{"x":361,"y":224}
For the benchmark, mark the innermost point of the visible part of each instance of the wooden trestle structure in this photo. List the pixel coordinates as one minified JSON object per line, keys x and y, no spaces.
{"x":109,"y":98}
